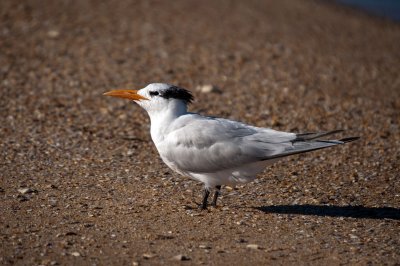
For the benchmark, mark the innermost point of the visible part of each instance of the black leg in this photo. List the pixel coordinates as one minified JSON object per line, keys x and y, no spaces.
{"x":205,"y":198}
{"x":216,"y":194}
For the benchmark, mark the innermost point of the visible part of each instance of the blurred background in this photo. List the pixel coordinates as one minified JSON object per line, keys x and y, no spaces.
{"x":386,"y":8}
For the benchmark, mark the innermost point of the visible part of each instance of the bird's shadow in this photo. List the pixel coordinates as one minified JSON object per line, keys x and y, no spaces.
{"x":335,"y":211}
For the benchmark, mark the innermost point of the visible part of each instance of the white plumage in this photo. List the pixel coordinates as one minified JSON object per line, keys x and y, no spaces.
{"x":214,"y":151}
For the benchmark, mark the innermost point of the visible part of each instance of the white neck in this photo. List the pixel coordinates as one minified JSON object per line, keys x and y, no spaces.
{"x":163,"y":117}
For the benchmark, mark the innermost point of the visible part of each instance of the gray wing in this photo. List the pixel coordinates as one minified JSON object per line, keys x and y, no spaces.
{"x":204,"y":144}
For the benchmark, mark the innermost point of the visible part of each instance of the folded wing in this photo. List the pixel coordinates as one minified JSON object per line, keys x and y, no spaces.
{"x":208,"y":144}
{"x":204,"y":145}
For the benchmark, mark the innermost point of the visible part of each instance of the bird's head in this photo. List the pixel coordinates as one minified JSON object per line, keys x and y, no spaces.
{"x":157,"y":97}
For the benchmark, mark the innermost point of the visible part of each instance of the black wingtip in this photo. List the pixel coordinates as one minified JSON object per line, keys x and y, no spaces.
{"x":313,"y":135}
{"x":349,"y":139}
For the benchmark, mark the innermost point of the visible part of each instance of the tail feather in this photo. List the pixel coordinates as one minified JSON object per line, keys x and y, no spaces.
{"x":315,"y":135}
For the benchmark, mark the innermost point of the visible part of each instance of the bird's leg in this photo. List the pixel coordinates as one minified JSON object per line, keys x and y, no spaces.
{"x":205,"y":198}
{"x":216,"y":194}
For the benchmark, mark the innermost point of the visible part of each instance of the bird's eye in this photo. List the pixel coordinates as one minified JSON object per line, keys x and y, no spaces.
{"x":153,"y":93}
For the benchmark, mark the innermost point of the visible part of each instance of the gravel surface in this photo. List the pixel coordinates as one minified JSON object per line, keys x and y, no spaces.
{"x":81,"y":181}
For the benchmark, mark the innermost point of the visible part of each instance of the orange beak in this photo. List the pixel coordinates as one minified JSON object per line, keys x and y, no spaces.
{"x":126,"y":94}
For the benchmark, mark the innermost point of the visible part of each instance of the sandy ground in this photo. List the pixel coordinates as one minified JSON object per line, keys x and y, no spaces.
{"x":81,"y":182}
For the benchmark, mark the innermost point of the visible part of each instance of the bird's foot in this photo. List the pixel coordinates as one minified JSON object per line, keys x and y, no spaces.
{"x":216,"y":194}
{"x":204,"y":204}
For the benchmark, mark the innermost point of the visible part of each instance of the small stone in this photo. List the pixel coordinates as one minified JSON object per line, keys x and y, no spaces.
{"x":53,"y":202}
{"x":252,"y":246}
{"x":180,"y":257}
{"x":25,"y":190}
{"x":53,"y":33}
{"x":208,"y":88}
{"x":75,"y":254}
{"x":22,"y":198}
{"x":135,"y":263}
{"x":148,"y":255}
{"x":353,"y":236}
{"x":204,"y":247}
{"x":103,"y":111}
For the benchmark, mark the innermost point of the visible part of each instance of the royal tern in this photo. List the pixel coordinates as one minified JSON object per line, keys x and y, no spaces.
{"x":214,"y":151}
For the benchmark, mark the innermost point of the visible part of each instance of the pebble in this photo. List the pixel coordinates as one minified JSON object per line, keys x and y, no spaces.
{"x":26,"y":190}
{"x":75,"y":254}
{"x":148,"y":255}
{"x":208,"y":88}
{"x":180,"y":257}
{"x":53,"y":202}
{"x":53,"y":33}
{"x":353,"y":236}
{"x":252,"y":246}
{"x":51,"y":186}
{"x":22,"y":198}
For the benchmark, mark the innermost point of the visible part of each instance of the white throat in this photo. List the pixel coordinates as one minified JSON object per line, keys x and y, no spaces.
{"x":162,"y":117}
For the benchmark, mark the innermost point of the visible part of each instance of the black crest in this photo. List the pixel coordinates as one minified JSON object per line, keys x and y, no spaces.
{"x":178,"y":93}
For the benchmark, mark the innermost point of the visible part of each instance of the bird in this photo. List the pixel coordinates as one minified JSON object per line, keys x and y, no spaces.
{"x":212,"y":150}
